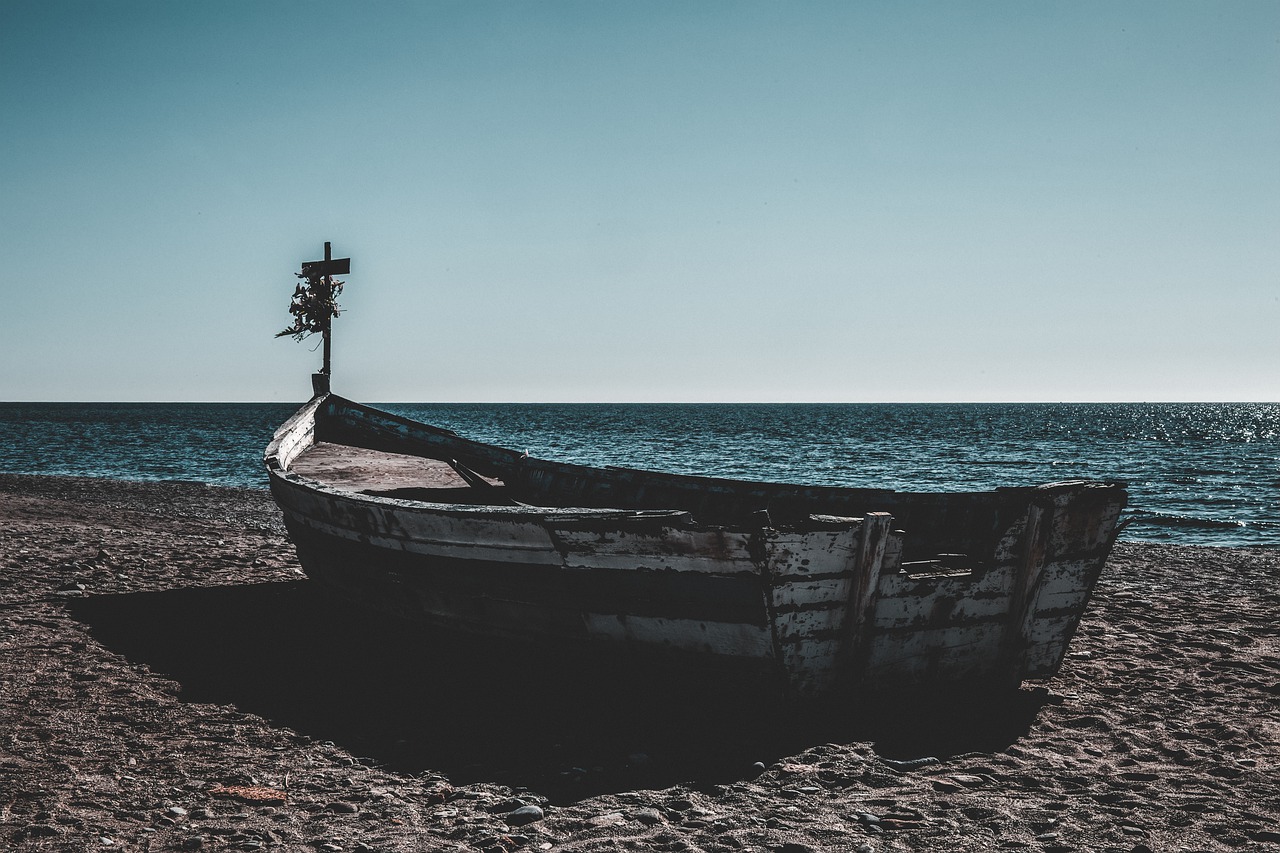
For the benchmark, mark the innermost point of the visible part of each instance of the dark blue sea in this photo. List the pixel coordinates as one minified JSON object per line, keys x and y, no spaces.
{"x":1205,"y":474}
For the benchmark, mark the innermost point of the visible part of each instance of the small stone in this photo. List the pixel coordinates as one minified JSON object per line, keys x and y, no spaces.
{"x":524,"y":815}
{"x":340,"y":807}
{"x":967,"y":780}
{"x":609,"y":819}
{"x":508,"y":805}
{"x":649,"y":817}
{"x":176,"y":811}
{"x":195,"y":842}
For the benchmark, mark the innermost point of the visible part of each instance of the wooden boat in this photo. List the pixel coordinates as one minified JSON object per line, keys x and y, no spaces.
{"x":822,"y":591}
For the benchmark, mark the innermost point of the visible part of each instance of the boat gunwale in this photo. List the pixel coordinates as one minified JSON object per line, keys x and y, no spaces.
{"x":731,"y":483}
{"x":282,"y":473}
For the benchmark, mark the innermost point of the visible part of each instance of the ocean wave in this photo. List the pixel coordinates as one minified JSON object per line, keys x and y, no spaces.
{"x":1162,"y":519}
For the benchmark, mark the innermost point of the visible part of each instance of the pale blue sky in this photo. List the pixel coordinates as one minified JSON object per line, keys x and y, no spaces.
{"x":644,"y":201}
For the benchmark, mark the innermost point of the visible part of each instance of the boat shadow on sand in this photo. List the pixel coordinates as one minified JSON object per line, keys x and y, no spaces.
{"x":568,"y":726}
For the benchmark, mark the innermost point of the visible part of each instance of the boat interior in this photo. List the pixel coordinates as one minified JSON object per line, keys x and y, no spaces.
{"x":367,"y":451}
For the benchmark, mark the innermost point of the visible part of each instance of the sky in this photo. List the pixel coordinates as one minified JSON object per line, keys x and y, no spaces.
{"x":643,"y":201}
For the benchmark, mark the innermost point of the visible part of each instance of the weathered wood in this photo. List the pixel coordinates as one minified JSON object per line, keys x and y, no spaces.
{"x":1025,"y":586}
{"x":330,"y":266}
{"x":805,"y":583}
{"x":864,"y":591}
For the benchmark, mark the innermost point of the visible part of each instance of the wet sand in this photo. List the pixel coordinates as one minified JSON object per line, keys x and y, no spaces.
{"x":169,"y":681}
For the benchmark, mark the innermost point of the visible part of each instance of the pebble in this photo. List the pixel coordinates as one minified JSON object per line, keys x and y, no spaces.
{"x":508,"y":805}
{"x":524,"y":815}
{"x":609,"y":819}
{"x":339,"y":807}
{"x":910,"y":764}
{"x":649,"y":817}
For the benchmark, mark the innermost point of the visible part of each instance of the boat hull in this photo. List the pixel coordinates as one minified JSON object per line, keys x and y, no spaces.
{"x":822,"y":606}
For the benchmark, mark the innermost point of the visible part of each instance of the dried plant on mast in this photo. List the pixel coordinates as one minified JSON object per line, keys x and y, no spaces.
{"x":313,"y":306}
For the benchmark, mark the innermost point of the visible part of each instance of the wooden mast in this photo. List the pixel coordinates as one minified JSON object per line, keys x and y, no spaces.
{"x":327,"y":368}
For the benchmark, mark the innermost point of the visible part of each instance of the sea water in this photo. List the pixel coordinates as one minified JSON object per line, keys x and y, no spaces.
{"x":1198,"y":473}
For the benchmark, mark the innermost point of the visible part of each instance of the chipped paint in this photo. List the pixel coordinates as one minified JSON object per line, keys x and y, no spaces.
{"x":807,"y":583}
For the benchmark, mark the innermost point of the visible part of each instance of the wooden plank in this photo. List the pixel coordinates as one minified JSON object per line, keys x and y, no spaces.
{"x":332,"y":266}
{"x":466,"y":579}
{"x":1025,"y":588}
{"x":700,"y":635}
{"x":951,"y":654}
{"x":664,"y":548}
{"x":830,"y":593}
{"x":907,"y":602}
{"x":864,"y":590}
{"x":805,"y":553}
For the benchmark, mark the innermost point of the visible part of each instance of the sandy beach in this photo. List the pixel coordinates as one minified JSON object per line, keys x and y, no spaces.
{"x":170,"y":681}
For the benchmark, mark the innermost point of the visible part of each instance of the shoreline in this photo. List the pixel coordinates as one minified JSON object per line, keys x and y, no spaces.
{"x":161,"y":656}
